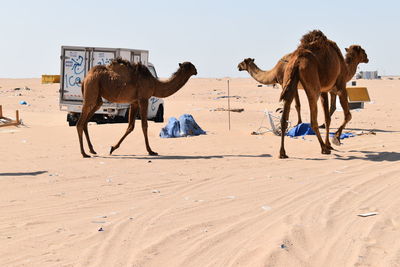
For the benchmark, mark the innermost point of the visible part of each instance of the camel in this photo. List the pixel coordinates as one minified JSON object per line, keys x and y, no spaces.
{"x":319,"y":66}
{"x":354,"y":56}
{"x":123,"y":82}
{"x":273,"y":76}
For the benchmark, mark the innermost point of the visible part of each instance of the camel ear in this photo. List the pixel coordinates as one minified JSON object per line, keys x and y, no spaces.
{"x":347,"y":50}
{"x":180,"y":65}
{"x":252,"y":60}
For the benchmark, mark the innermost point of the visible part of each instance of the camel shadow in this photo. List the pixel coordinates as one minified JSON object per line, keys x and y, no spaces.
{"x":22,"y":173}
{"x":375,"y":156}
{"x":161,"y":157}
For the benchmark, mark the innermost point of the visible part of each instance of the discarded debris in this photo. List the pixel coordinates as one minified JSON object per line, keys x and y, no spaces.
{"x":368,"y":214}
{"x":232,"y":109}
{"x":101,"y":229}
{"x":155,"y":191}
{"x":23,"y":102}
{"x":225,"y":96}
{"x":365,"y":132}
{"x":266,"y":208}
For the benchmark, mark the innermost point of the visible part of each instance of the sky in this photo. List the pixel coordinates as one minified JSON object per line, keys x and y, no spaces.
{"x":215,"y":35}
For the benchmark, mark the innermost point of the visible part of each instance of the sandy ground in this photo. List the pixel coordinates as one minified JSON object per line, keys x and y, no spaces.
{"x":221,"y":199}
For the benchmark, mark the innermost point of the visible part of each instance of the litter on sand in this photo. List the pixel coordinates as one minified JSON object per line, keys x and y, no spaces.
{"x":184,"y":126}
{"x":232,"y":109}
{"x":368,"y":214}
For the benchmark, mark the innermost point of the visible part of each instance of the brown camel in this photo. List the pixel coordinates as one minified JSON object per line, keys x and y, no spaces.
{"x":319,"y":66}
{"x":355,"y":55}
{"x":273,"y":76}
{"x":123,"y":82}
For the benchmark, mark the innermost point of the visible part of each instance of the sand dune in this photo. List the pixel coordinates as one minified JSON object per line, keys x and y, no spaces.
{"x":221,"y":199}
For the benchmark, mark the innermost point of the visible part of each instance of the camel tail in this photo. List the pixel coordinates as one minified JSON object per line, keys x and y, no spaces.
{"x":291,"y":80}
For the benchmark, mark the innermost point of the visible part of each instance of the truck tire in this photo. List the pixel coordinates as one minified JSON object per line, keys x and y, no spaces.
{"x":72,"y":118}
{"x":160,"y":114}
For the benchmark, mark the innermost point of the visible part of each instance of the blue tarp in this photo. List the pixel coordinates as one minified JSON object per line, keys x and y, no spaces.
{"x":184,"y":126}
{"x":303,"y":129}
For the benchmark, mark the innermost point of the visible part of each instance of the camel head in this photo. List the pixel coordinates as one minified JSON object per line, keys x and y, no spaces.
{"x":244,"y":65}
{"x":357,"y":53}
{"x":188,"y":67}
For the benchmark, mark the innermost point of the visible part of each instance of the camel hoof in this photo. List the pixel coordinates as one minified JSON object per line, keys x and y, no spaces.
{"x":112,"y":149}
{"x":336,"y":141}
{"x":93,"y":152}
{"x":86,"y":156}
{"x":326,"y":151}
{"x":322,"y":126}
{"x":152,"y":153}
{"x":284,"y":156}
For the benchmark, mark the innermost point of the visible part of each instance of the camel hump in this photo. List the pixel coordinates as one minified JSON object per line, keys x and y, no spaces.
{"x":312,"y":37}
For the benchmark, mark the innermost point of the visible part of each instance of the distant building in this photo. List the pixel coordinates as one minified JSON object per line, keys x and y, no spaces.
{"x":368,"y":75}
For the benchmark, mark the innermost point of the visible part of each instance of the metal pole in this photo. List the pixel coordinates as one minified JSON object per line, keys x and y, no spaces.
{"x":229,"y":108}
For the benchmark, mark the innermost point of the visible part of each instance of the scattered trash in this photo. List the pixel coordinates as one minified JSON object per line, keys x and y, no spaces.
{"x":185,"y":126}
{"x":368,"y":214}
{"x":225,"y":96}
{"x":266,"y":208}
{"x":232,"y":109}
{"x":109,"y":180}
{"x":343,"y":135}
{"x":23,"y":102}
{"x":301,"y":129}
{"x":155,"y":191}
{"x":275,"y":124}
{"x":365,"y":132}
{"x":149,"y":161}
{"x":283,"y":246}
{"x":101,"y":229}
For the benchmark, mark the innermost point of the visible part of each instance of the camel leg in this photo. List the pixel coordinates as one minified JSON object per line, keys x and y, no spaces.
{"x":347,"y":116}
{"x":332,"y":108}
{"x":284,"y":124}
{"x":312,"y":100}
{"x":144,"y":103}
{"x":297,"y":101}
{"x":132,"y":118}
{"x":324,"y":102}
{"x":85,"y":127}
{"x":333,"y":104}
{"x":82,"y":121}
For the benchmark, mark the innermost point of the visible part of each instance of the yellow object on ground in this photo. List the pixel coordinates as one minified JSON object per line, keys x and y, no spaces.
{"x":358,"y":94}
{"x":50,"y":78}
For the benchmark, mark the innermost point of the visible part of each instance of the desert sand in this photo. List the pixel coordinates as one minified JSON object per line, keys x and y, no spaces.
{"x":220,"y":199}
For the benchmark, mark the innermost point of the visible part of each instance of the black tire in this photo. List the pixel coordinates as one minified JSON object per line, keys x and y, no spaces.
{"x":160,"y":114}
{"x":72,"y":118}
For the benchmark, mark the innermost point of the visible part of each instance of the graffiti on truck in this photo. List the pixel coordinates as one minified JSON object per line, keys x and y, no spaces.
{"x":74,"y":70}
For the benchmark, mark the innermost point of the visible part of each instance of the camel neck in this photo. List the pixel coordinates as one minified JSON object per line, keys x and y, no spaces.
{"x":172,"y":85}
{"x":351,"y":70}
{"x":261,"y":76}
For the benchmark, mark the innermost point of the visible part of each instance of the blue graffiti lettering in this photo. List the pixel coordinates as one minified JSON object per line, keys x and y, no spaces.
{"x":77,"y":66}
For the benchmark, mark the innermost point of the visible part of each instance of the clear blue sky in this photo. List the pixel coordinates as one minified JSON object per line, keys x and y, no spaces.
{"x":214,"y":35}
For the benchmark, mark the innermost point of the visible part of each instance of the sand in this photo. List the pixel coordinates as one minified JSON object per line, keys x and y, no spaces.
{"x":221,"y":199}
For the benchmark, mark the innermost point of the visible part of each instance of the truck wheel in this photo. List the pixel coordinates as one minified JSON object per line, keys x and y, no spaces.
{"x":72,"y":119}
{"x":160,"y":114}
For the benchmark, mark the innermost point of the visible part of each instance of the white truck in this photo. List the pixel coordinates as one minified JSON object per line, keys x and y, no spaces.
{"x":75,"y":64}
